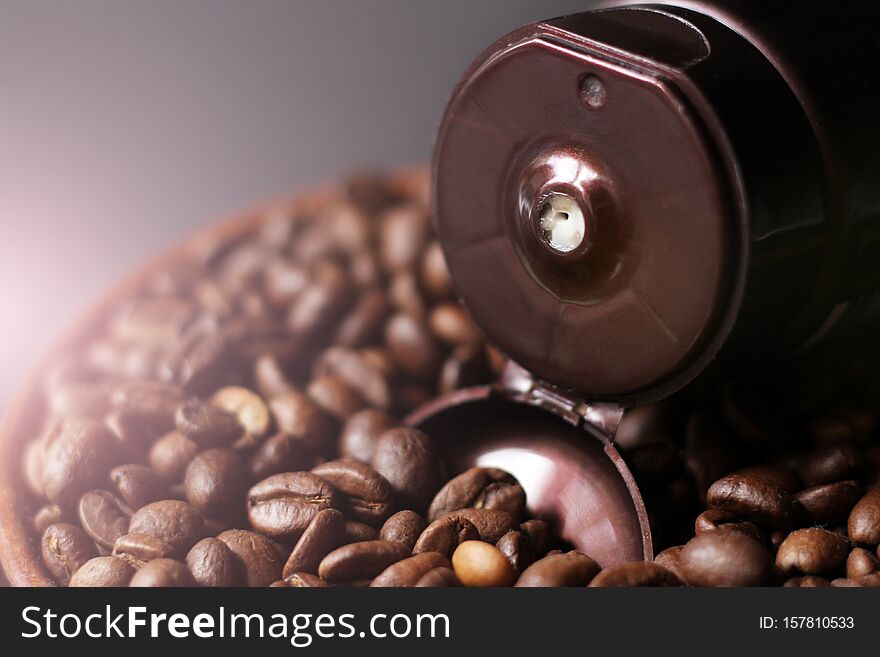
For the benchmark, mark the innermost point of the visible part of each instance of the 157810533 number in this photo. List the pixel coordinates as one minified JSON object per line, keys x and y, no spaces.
{"x":818,"y":622}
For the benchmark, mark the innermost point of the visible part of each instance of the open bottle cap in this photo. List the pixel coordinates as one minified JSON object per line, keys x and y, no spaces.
{"x":587,"y":207}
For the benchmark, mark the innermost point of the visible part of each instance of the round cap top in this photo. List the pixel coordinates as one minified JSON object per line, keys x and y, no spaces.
{"x":585,"y":209}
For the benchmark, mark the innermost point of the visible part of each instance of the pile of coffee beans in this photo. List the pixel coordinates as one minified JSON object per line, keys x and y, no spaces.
{"x":237,"y":421}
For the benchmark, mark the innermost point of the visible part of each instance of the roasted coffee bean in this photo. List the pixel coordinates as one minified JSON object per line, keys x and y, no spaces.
{"x":162,"y":572}
{"x":403,"y":527}
{"x":104,"y":516}
{"x":283,"y":282}
{"x":812,"y":551}
{"x":173,"y":522}
{"x":403,"y":232}
{"x":360,"y":433}
{"x":829,"y":503}
{"x":170,"y":455}
{"x":808,"y":582}
{"x":247,"y":406}
{"x":480,"y":564}
{"x":358,"y":372}
{"x":301,"y":418}
{"x":434,"y":272}
{"x":149,"y":402}
{"x":445,"y":534}
{"x":540,"y":536}
{"x":257,"y":557}
{"x":335,"y":396}
{"x":365,"y":495}
{"x":754,"y":497}
{"x":404,"y":294}
{"x":409,"y":461}
{"x":77,"y":458}
{"x":466,"y":366}
{"x":412,"y":347}
{"x":668,"y":558}
{"x":325,"y":533}
{"x":215,"y":482}
{"x":725,"y":558}
{"x":516,"y":547}
{"x":137,"y":484}
{"x":437,"y":577}
{"x":270,"y":377}
{"x":480,"y":488}
{"x":283,"y":505}
{"x":206,"y":424}
{"x":830,"y":463}
{"x":861,"y":562}
{"x":716,"y":519}
{"x":65,"y":548}
{"x":492,"y":524}
{"x":864,"y":519}
{"x":321,"y":303}
{"x":103,"y":571}
{"x":301,"y":581}
{"x":635,"y":573}
{"x":365,"y":321}
{"x":783,"y":477}
{"x":140,"y":548}
{"x":358,"y":561}
{"x":212,"y":563}
{"x":356,"y":532}
{"x":408,"y":572}
{"x":51,"y":514}
{"x":450,"y":323}
{"x":569,"y":569}
{"x":280,"y":453}
{"x":150,"y":320}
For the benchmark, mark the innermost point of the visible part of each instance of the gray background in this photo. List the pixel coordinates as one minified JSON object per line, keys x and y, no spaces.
{"x":125,"y":125}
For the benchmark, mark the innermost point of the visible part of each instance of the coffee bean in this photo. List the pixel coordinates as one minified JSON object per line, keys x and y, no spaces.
{"x":104,"y":516}
{"x":270,"y":376}
{"x":301,"y":581}
{"x":140,"y":548}
{"x":103,"y":571}
{"x":783,"y":477}
{"x":148,"y":402}
{"x":404,"y":294}
{"x":335,"y":396}
{"x":540,"y":536}
{"x":403,"y":527}
{"x":173,"y":522}
{"x":408,"y":572}
{"x":325,"y":533}
{"x":365,"y":321}
{"x":515,"y":546}
{"x":480,"y":564}
{"x":724,"y":558}
{"x":255,"y":554}
{"x":250,"y":410}
{"x":492,"y":524}
{"x":808,"y":582}
{"x":754,"y":497}
{"x":137,"y":484}
{"x":412,"y":347}
{"x":65,"y":548}
{"x":170,"y":455}
{"x":322,"y":303}
{"x":206,"y":424}
{"x":437,"y":577}
{"x":358,"y":372}
{"x":450,"y":323}
{"x":830,"y":463}
{"x":569,"y":569}
{"x":283,"y":505}
{"x":157,"y":321}
{"x":365,"y":495}
{"x":861,"y":562}
{"x":864,"y":519}
{"x":843,"y":582}
{"x":812,"y":551}
{"x":302,"y":419}
{"x":871,"y":581}
{"x":635,"y":573}
{"x":50,"y":514}
{"x":480,"y":488}
{"x":408,"y":460}
{"x":829,"y":503}
{"x":283,"y":282}
{"x":360,"y":433}
{"x":363,"y":560}
{"x":214,"y":482}
{"x":669,"y":559}
{"x":77,"y":458}
{"x":716,"y":519}
{"x":403,"y":232}
{"x":163,"y":572}
{"x":445,"y":534}
{"x":212,"y":563}
{"x":280,"y":453}
{"x":434,"y":273}
{"x":358,"y":531}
